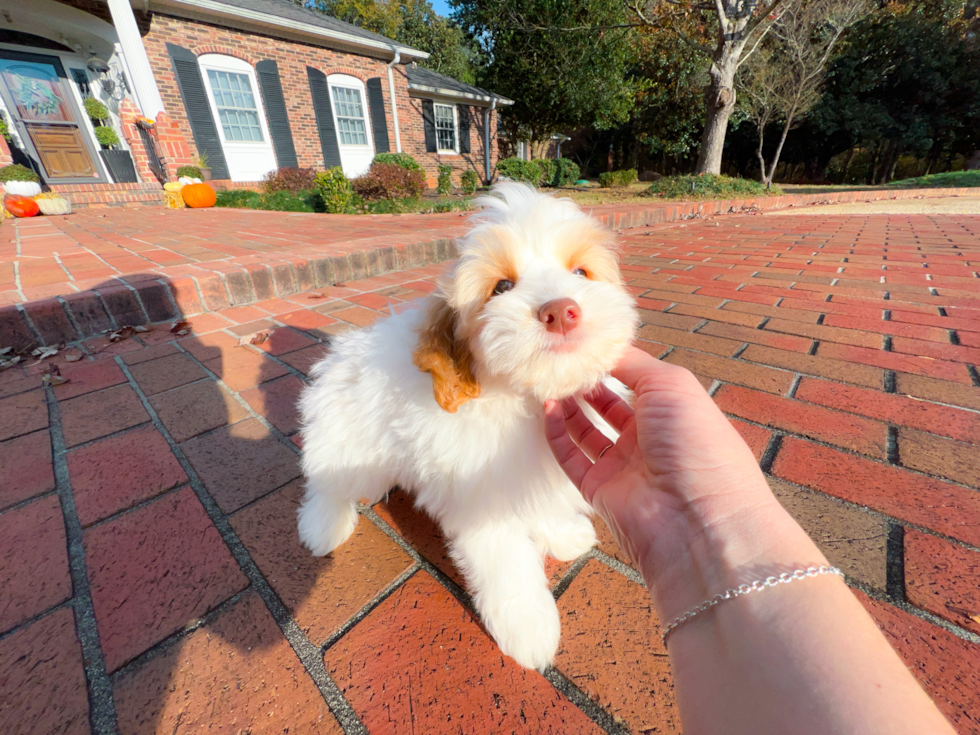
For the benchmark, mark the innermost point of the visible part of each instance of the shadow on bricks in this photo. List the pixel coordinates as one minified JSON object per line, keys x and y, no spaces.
{"x":168,"y":465}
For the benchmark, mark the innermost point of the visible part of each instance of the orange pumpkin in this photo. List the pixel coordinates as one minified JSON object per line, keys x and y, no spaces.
{"x":20,"y":206}
{"x":198,"y":195}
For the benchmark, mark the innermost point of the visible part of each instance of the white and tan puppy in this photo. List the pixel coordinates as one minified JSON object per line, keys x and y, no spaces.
{"x":445,"y":401}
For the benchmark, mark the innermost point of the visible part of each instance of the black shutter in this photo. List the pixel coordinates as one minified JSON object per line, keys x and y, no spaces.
{"x":324,"y":117}
{"x":267,"y":72}
{"x":429,"y":124}
{"x":195,"y":97}
{"x":463,"y":113}
{"x":379,"y":124}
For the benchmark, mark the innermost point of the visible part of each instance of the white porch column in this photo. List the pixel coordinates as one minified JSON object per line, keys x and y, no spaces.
{"x":136,"y":60}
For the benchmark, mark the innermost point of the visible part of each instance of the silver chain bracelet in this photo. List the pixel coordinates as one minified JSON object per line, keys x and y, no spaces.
{"x":744,"y":589}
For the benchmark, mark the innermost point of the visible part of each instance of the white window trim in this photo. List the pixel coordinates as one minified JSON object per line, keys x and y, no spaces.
{"x":222,"y":62}
{"x":345,"y":81}
{"x":447,"y":151}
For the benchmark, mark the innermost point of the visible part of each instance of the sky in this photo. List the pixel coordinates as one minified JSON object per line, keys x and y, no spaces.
{"x":441,"y":6}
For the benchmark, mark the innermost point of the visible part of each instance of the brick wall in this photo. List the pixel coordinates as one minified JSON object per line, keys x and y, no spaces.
{"x":413,"y":142}
{"x":292,"y":59}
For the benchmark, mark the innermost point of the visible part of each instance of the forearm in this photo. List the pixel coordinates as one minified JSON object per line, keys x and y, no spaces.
{"x":799,"y":658}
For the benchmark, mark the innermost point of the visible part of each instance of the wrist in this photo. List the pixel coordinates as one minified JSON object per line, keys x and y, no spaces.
{"x":715,"y":549}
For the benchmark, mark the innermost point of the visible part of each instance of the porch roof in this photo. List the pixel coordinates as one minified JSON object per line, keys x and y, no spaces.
{"x":421,"y":79}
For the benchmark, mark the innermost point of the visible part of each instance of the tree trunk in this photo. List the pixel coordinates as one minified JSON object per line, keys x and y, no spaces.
{"x":720,"y":101}
{"x":847,"y":165}
{"x":779,"y":150}
{"x":889,"y":163}
{"x":973,"y":163}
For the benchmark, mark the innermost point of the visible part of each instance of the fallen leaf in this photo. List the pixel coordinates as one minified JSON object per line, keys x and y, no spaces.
{"x":121,"y":334}
{"x":142,"y":329}
{"x":47,"y":352}
{"x":9,"y":363}
{"x":317,"y":296}
{"x":51,"y":379}
{"x":255,"y":338}
{"x":73,"y":356}
{"x":180,"y":327}
{"x":5,"y":350}
{"x":970,"y":614}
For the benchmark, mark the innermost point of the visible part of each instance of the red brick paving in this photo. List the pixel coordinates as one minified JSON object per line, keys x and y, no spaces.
{"x":861,"y":397}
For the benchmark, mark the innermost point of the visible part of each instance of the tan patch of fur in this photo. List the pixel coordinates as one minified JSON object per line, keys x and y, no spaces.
{"x":491,"y":261}
{"x":446,"y":357}
{"x":590,"y":248}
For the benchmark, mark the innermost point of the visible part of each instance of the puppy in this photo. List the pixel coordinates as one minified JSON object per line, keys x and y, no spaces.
{"x":445,"y":401}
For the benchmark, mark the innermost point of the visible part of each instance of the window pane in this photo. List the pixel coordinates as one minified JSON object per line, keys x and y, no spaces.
{"x":445,"y":127}
{"x":351,"y":128}
{"x":236,"y":106}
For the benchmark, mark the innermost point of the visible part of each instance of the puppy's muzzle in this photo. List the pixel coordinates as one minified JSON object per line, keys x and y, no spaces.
{"x":560,"y":316}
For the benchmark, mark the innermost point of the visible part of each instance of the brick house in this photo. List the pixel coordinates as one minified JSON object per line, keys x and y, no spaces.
{"x":253,"y":85}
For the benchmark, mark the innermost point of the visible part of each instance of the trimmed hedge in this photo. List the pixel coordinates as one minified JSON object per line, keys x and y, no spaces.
{"x":468,"y":181}
{"x":566,"y":172}
{"x":548,"y":169}
{"x":335,"y":190}
{"x":398,"y":159}
{"x":444,"y":183}
{"x":624,"y":177}
{"x":389,"y":181}
{"x":515,"y":169}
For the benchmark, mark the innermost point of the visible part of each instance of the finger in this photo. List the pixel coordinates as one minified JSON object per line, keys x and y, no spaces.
{"x":583,"y":432}
{"x":613,"y":409}
{"x":634,"y":364}
{"x":570,"y":458}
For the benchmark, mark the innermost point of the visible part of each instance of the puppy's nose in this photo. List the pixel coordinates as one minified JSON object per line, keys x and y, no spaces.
{"x":560,"y":316}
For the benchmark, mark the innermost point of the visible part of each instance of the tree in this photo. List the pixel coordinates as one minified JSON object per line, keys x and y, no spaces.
{"x":557,"y":79}
{"x":784,"y":78}
{"x":905,"y":81}
{"x":412,"y":22}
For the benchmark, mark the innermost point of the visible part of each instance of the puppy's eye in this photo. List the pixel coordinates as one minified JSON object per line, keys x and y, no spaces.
{"x":580,"y":272}
{"x":502,"y":286}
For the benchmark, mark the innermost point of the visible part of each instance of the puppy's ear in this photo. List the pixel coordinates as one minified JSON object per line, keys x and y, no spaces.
{"x":447,"y":358}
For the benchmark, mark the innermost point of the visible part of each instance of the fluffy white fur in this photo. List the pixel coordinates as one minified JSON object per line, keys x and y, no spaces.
{"x":483,"y":469}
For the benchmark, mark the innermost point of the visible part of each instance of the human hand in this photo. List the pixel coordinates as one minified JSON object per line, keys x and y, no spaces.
{"x":680,"y":489}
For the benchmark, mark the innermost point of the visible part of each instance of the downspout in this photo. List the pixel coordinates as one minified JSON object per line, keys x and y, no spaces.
{"x":486,"y":137}
{"x":394,"y":100}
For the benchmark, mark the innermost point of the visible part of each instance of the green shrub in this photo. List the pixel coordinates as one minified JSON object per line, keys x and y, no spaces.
{"x":548,"y":169}
{"x":399,"y":159}
{"x":624,"y":177}
{"x":16,"y":172}
{"x":515,"y":169}
{"x":444,"y":184}
{"x":278,"y":201}
{"x":708,"y":186}
{"x":4,"y":129}
{"x":950,"y":179}
{"x":389,"y":181}
{"x":192,"y":172}
{"x":106,"y":136}
{"x":566,"y":172}
{"x":468,"y":182}
{"x":95,"y":109}
{"x":335,"y":190}
{"x":238,"y":199}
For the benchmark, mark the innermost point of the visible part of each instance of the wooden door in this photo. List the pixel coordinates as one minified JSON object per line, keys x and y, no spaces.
{"x":39,"y":99}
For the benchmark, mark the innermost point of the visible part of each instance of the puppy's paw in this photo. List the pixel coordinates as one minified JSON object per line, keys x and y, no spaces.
{"x":570,"y":539}
{"x":323,"y":525}
{"x":527,"y":629}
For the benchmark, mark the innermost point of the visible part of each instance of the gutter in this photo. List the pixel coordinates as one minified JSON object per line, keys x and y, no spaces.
{"x":213,"y":8}
{"x":486,"y":138}
{"x":394,"y":100}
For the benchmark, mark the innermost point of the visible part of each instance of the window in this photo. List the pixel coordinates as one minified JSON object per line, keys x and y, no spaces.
{"x":446,"y":127}
{"x":350,"y":116}
{"x":236,"y":105}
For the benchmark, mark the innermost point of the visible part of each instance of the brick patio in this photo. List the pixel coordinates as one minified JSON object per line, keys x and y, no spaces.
{"x":150,"y":575}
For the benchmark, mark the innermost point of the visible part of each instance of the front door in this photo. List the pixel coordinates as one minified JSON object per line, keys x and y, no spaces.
{"x":36,"y":93}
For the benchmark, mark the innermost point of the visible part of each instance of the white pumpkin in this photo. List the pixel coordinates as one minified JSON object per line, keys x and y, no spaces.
{"x":22,"y":188}
{"x":189,"y":180}
{"x":54,"y":206}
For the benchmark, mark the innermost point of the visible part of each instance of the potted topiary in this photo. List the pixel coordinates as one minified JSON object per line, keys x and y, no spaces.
{"x":19,"y":180}
{"x":118,"y":160}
